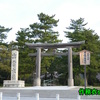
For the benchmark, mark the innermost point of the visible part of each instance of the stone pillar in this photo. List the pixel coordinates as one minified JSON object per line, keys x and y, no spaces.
{"x":38,"y":68}
{"x":14,"y":82}
{"x":14,"y":65}
{"x":70,"y":68}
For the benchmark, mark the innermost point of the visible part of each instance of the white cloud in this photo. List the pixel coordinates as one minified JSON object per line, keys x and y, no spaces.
{"x":20,"y":13}
{"x":75,"y":10}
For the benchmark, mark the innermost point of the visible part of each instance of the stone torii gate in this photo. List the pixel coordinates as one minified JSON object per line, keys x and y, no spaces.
{"x":54,"y":46}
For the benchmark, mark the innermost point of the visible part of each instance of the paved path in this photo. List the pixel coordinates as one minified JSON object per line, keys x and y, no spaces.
{"x":45,"y":93}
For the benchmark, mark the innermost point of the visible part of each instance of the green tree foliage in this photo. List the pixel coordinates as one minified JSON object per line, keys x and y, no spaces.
{"x":5,"y":59}
{"x":26,"y":63}
{"x":43,"y":31}
{"x":37,"y":32}
{"x":4,"y":55}
{"x":59,"y":65}
{"x":77,"y":32}
{"x":3,"y":33}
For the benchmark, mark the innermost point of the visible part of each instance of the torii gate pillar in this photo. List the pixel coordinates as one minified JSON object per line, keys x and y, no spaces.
{"x":70,"y":68}
{"x":37,"y":81}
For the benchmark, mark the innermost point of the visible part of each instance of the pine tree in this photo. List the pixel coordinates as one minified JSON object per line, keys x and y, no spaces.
{"x":4,"y":55}
{"x":37,"y":32}
{"x":3,"y":32}
{"x":77,"y":32}
{"x":26,"y":65}
{"x":43,"y":31}
{"x":5,"y":60}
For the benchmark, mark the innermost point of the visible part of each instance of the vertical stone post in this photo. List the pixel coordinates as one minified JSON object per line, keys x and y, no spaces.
{"x":18,"y":96}
{"x":78,"y":97}
{"x":57,"y":96}
{"x":0,"y":95}
{"x":37,"y":96}
{"x":14,"y":65}
{"x":14,"y":82}
{"x":38,"y":68}
{"x":70,"y":68}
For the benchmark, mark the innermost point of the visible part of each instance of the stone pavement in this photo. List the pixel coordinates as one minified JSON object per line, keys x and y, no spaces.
{"x":45,"y":93}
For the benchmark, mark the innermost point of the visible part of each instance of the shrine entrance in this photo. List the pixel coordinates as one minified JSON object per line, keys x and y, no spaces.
{"x":38,"y":55}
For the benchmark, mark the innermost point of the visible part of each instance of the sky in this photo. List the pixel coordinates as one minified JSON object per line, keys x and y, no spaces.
{"x":18,"y":14}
